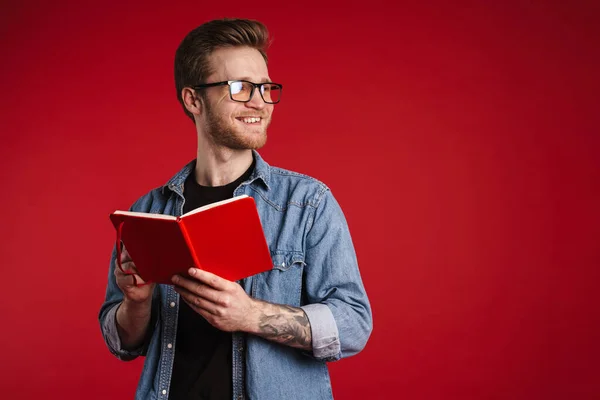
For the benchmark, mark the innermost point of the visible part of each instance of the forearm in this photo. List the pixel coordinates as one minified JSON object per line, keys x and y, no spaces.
{"x":133,"y":320}
{"x":282,"y":324}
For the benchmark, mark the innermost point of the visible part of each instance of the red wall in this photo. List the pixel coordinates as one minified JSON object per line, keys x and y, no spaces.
{"x":461,"y":141}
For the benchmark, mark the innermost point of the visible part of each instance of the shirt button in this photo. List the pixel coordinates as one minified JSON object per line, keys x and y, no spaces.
{"x":170,"y":346}
{"x":164,"y":391}
{"x":172,"y":304}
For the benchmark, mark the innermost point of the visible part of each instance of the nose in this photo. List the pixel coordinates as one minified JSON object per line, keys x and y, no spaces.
{"x":256,"y":102}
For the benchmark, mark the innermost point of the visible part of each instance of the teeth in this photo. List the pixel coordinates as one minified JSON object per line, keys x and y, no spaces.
{"x":251,"y":120}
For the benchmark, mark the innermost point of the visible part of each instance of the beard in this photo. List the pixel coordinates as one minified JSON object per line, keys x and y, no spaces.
{"x":234,"y":136}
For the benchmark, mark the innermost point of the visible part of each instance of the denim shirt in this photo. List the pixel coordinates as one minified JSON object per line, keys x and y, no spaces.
{"x":314,"y":268}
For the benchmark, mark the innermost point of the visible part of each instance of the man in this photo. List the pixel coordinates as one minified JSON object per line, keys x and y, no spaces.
{"x":268,"y":336}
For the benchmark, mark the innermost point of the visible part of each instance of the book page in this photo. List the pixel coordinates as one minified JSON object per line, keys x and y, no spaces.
{"x":145,"y":215}
{"x":212,"y":205}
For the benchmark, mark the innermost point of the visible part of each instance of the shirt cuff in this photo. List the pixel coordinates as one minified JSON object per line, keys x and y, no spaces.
{"x":111,"y":336}
{"x":325,"y":336}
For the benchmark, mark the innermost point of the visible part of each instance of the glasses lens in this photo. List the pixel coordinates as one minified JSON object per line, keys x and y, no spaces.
{"x":271,"y":92}
{"x":240,"y":91}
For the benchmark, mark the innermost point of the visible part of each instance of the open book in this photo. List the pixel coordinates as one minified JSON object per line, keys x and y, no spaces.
{"x":225,"y":238}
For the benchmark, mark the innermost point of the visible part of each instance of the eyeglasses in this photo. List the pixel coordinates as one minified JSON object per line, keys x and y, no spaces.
{"x":243,"y":91}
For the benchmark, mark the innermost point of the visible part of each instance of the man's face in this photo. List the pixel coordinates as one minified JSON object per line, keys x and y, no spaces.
{"x":228,"y":122}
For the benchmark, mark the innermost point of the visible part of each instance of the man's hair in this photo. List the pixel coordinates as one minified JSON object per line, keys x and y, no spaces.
{"x":192,"y":65}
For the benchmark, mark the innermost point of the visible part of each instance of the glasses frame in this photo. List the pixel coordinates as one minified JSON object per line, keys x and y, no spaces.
{"x":254,"y":86}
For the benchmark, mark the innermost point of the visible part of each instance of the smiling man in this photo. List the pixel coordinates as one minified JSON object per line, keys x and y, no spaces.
{"x":268,"y":336}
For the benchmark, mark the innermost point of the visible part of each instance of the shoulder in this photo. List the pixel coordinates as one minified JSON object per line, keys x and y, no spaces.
{"x":294,"y":188}
{"x":285,"y":175}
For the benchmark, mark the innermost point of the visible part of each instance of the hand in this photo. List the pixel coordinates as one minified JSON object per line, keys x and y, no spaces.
{"x":127,"y":283}
{"x":224,"y":304}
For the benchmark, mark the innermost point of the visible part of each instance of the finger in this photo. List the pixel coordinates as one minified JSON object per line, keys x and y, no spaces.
{"x":197,"y":288}
{"x":128,"y":268}
{"x":124,"y":255}
{"x":137,"y":280}
{"x":209,"y":279}
{"x":128,"y":279}
{"x":196,"y":302}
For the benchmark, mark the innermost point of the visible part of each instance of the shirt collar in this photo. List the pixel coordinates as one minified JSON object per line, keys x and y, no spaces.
{"x":262,"y":172}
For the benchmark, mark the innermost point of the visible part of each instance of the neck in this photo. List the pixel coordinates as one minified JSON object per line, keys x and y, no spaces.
{"x":218,"y":166}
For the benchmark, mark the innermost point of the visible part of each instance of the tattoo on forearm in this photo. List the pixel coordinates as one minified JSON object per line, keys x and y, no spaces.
{"x":287,"y":325}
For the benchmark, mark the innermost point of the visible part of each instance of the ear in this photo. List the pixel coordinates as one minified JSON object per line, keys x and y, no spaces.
{"x":191,"y":101}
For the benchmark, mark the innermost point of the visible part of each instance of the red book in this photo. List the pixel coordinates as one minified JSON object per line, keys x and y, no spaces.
{"x":225,"y":238}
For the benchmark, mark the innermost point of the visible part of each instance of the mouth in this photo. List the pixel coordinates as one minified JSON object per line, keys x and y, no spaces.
{"x":250,"y":120}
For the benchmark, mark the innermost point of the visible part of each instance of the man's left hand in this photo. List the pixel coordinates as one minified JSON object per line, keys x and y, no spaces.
{"x":223,"y":303}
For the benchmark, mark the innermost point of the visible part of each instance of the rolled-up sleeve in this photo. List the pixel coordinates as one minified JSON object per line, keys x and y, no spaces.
{"x":325,"y":336}
{"x":338,"y":308}
{"x":112,"y":339}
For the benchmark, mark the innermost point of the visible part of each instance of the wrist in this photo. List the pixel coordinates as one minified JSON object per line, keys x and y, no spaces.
{"x":257,"y":310}
{"x":132,"y":321}
{"x":136,"y":309}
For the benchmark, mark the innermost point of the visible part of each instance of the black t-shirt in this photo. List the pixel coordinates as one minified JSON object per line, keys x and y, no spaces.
{"x":202,"y":368}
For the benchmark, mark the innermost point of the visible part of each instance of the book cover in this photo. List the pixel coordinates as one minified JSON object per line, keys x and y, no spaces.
{"x":225,"y":238}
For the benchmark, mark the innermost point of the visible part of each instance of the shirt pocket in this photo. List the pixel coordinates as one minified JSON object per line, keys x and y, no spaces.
{"x":282,"y":284}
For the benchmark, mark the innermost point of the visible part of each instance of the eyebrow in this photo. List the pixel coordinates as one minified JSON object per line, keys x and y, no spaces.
{"x":246,"y":78}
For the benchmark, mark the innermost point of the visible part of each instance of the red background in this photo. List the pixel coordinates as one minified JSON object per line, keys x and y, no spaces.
{"x":461,"y":141}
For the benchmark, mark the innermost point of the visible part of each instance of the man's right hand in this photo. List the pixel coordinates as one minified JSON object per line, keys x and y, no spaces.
{"x":126,"y":282}
{"x":133,"y":315}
